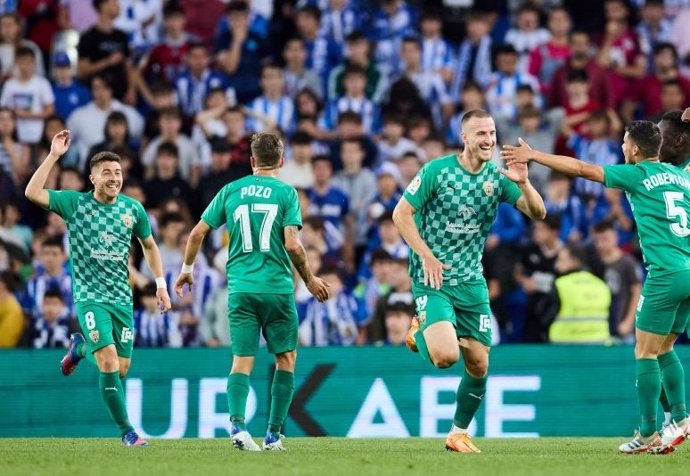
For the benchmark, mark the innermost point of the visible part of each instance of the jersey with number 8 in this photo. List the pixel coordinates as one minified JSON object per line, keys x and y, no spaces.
{"x":255,"y":210}
{"x":659,"y":196}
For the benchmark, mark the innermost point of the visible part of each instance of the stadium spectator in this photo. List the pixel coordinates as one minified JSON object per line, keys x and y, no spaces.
{"x":115,"y":134}
{"x":353,"y":99}
{"x":535,"y":274}
{"x":153,"y":328}
{"x":387,"y":196}
{"x":351,"y":126}
{"x":391,"y":22}
{"x":298,"y":170}
{"x":578,"y":108}
{"x":141,"y":22}
{"x":42,"y":22}
{"x":358,"y":53}
{"x":377,"y":284}
{"x":333,"y":322}
{"x":328,"y":201}
{"x":10,"y":40}
{"x":323,"y":53}
{"x":673,"y":98}
{"x":471,"y":97}
{"x":164,"y":96}
{"x":400,"y":291}
{"x":295,"y":74}
{"x":273,"y":110}
{"x":10,"y":216}
{"x":69,"y":93}
{"x":474,"y":55}
{"x":398,"y":317}
{"x":52,"y":327}
{"x":528,"y":35}
{"x":14,"y":156}
{"x":77,"y":15}
{"x":339,"y":19}
{"x":219,"y":174}
{"x":236,"y":136}
{"x":189,"y":165}
{"x":240,"y":52}
{"x":437,"y":53}
{"x":29,"y":95}
{"x":214,"y":327}
{"x":548,"y":57}
{"x":71,"y":178}
{"x":503,"y":84}
{"x":598,"y":78}
{"x":167,"y":181}
{"x":202,"y":18}
{"x":105,"y":50}
{"x":52,"y":272}
{"x":653,"y":29}
{"x":580,"y":304}
{"x":409,"y":164}
{"x":649,"y":90}
{"x":87,"y":123}
{"x":11,"y":316}
{"x":681,"y":39}
{"x":623,"y":276}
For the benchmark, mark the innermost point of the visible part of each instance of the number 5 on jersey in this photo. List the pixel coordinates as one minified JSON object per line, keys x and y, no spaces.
{"x":242,"y":214}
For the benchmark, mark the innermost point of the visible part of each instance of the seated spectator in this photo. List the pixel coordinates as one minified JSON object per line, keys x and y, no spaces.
{"x":528,"y":36}
{"x":471,"y":97}
{"x":653,"y":29}
{"x":547,"y":58}
{"x":11,"y":316}
{"x":104,"y":50}
{"x":236,"y":135}
{"x":681,"y":39}
{"x":535,"y":273}
{"x":219,"y":174}
{"x":431,"y":87}
{"x":502,"y":89}
{"x":170,"y":227}
{"x":578,"y":108}
{"x":398,"y":317}
{"x":388,"y":237}
{"x":623,"y":276}
{"x":202,"y":18}
{"x":339,"y":19}
{"x":116,"y":136}
{"x":11,"y":38}
{"x":298,"y":170}
{"x":581,"y":303}
{"x":52,"y":327}
{"x":14,"y":156}
{"x":214,"y":327}
{"x":358,"y":53}
{"x":474,"y":55}
{"x":405,"y":99}
{"x":190,"y":166}
{"x":600,"y":148}
{"x":358,"y":183}
{"x":649,"y":90}
{"x":581,"y":59}
{"x":10,"y":216}
{"x":153,"y":328}
{"x":295,"y":74}
{"x":374,"y":281}
{"x":321,"y":236}
{"x":387,"y":196}
{"x":437,"y":53}
{"x":197,"y":79}
{"x":29,"y":95}
{"x":391,"y":22}
{"x":672,"y":98}
{"x":69,"y":93}
{"x":560,"y":200}
{"x":333,"y":322}
{"x":323,"y":53}
{"x":409,"y":165}
{"x":142,"y":23}
{"x":240,"y":52}
{"x":374,"y":326}
{"x":273,"y":109}
{"x":350,"y":126}
{"x":87,"y":123}
{"x":167,"y":181}
{"x":72,"y":179}
{"x":52,"y":272}
{"x":353,"y":100}
{"x":328,"y":201}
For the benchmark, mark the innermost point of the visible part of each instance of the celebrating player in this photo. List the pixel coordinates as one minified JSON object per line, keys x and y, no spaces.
{"x":659,"y":195}
{"x":263,"y":219}
{"x":445,"y":216}
{"x":100,"y":225}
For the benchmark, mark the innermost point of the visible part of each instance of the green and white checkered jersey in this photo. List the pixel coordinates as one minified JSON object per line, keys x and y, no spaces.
{"x":100,"y":237}
{"x":659,"y":196}
{"x":256,"y":209}
{"x":455,"y":210}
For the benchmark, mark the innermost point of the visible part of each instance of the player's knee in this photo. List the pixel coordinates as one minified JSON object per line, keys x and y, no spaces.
{"x":286,"y":361}
{"x":477,"y":368}
{"x":445,"y":359}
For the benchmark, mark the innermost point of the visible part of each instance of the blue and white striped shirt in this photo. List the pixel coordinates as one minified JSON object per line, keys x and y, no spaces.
{"x":282,"y":112}
{"x":333,"y":322}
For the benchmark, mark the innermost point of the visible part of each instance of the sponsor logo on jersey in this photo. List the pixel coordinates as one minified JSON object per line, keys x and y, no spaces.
{"x":467,"y":212}
{"x":94,"y":336}
{"x":414,"y":185}
{"x":462,"y":228}
{"x":126,"y":335}
{"x":488,"y":188}
{"x":127,"y":220}
{"x":107,"y":238}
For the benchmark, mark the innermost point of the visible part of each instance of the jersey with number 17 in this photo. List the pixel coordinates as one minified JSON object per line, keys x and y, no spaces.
{"x":256,"y":209}
{"x":659,"y":195}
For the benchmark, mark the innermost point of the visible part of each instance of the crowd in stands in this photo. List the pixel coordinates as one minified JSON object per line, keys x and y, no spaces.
{"x":363,"y":93}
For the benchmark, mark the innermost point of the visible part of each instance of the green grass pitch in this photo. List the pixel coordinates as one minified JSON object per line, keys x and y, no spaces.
{"x":334,"y":456}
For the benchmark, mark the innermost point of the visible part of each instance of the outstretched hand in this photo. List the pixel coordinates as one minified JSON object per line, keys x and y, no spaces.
{"x":520,"y":154}
{"x":60,"y":143}
{"x":516,"y":172}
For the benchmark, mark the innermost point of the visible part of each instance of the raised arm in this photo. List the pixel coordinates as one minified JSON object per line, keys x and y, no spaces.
{"x":403,"y":217}
{"x":196,"y":238}
{"x":524,"y":153}
{"x":35,"y":189}
{"x":152,"y":255}
{"x":530,"y":202}
{"x":317,"y":287}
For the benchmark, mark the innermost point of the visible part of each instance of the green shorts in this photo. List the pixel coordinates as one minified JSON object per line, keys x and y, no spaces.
{"x":274,"y":315}
{"x":466,"y":306}
{"x":664,"y":305}
{"x":104,"y":324}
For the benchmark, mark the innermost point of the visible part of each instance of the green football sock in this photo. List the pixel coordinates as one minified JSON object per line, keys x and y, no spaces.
{"x":663,"y":399}
{"x":238,"y":391}
{"x":421,"y":345}
{"x":648,"y":391}
{"x":114,"y":397}
{"x":673,"y":381}
{"x":470,"y":393}
{"x":282,"y":389}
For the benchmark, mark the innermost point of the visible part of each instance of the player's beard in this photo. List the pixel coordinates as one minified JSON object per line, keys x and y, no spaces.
{"x":481,"y":154}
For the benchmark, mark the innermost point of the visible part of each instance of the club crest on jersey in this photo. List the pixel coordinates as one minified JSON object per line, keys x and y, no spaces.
{"x":414,"y":185}
{"x":94,"y":336}
{"x":421,"y":317}
{"x":127,"y":220}
{"x":488,"y":188}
